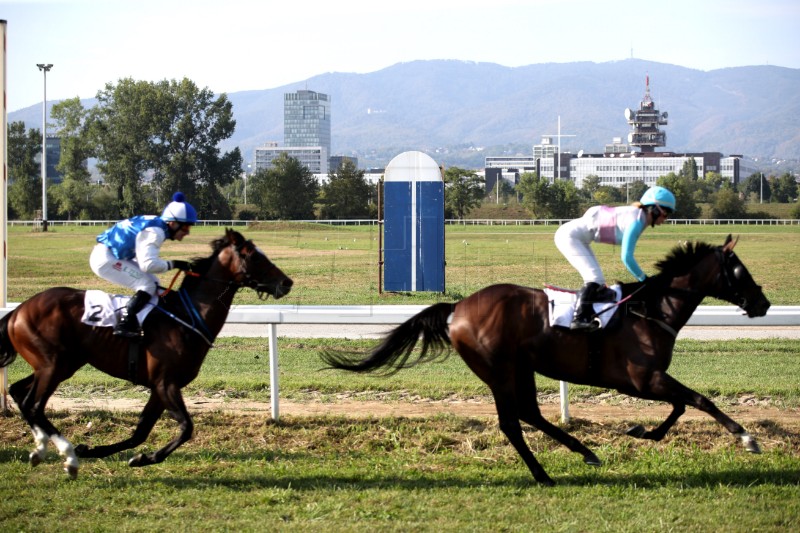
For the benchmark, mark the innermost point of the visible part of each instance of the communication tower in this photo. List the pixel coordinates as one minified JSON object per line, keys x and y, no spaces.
{"x":645,"y":123}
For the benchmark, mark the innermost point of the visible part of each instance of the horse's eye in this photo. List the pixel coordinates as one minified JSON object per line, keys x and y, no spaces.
{"x":738,"y":272}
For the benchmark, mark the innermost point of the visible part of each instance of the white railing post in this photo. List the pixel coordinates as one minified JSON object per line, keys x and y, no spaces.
{"x":273,"y":370}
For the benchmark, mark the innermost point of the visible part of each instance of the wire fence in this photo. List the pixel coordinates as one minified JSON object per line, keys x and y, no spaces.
{"x":449,"y":222}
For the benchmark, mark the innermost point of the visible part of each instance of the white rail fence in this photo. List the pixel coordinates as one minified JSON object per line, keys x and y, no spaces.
{"x":391,"y":315}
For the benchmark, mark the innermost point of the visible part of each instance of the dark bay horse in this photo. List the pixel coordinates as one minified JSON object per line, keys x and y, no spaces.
{"x":47,"y":331}
{"x":503,"y":334}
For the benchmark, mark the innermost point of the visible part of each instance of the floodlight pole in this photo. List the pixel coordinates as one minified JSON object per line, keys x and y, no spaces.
{"x":45,"y":68}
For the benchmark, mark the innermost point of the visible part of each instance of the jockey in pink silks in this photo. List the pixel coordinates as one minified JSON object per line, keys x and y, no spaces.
{"x":611,"y":225}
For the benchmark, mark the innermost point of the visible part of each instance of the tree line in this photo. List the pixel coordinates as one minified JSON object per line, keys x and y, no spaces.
{"x":562,"y":199}
{"x":150,"y":139}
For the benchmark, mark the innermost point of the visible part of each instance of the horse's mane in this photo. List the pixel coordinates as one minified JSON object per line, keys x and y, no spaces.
{"x":678,"y":262}
{"x":682,"y":258}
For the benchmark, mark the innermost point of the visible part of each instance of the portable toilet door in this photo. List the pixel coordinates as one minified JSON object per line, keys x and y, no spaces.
{"x":413,"y":231}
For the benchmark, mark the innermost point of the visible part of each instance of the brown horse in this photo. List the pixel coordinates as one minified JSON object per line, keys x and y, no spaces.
{"x":47,"y":331}
{"x":503,"y":334}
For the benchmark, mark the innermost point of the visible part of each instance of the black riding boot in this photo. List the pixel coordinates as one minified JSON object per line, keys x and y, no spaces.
{"x":584,"y":313}
{"x":128,"y":325}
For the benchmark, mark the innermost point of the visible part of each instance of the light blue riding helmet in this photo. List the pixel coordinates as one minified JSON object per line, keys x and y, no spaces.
{"x":179,"y":210}
{"x":659,"y":196}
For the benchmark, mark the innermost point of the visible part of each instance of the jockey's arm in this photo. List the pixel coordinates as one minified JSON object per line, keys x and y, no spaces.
{"x":148,"y":246}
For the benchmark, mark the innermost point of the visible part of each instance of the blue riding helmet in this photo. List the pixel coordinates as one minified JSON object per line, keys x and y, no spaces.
{"x":179,"y":210}
{"x":659,"y":196}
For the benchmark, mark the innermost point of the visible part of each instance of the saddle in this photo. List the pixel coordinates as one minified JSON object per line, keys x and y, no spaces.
{"x":562,"y":305}
{"x":101,"y":309}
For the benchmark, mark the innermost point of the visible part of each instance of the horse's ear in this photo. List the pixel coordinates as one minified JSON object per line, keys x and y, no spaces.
{"x":729,"y":243}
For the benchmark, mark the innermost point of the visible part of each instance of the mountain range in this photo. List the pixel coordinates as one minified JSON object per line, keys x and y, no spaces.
{"x":460,"y":112}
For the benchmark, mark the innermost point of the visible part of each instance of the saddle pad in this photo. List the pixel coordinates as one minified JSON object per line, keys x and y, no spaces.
{"x":100,"y":308}
{"x":562,"y":306}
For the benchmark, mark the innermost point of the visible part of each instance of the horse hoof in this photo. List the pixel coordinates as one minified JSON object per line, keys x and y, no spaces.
{"x":139,"y":460}
{"x":547,"y":482}
{"x":592,"y":460}
{"x":34,"y":459}
{"x":636,"y":431}
{"x":71,"y":470}
{"x":81,"y":450}
{"x":750,"y":444}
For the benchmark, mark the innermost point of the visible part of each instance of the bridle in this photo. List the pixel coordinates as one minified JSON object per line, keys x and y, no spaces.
{"x":730,"y":275}
{"x":242,"y":278}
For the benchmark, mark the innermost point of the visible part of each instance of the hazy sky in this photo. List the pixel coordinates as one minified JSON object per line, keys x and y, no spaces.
{"x":235,"y":45}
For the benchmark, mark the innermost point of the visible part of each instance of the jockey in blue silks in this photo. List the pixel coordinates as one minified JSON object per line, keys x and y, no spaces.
{"x":611,"y":225}
{"x":127,"y":254}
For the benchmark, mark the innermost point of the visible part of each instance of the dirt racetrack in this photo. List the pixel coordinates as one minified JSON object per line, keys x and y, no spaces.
{"x":598,"y":410}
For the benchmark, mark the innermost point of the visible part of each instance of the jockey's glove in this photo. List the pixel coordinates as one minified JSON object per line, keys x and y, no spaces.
{"x":180,"y":265}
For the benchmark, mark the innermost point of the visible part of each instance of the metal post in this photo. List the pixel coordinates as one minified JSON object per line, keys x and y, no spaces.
{"x":45,"y":68}
{"x":273,"y":371}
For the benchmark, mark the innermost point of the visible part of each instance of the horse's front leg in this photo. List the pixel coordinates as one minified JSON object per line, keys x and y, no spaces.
{"x":150,"y":415}
{"x":658,"y":433}
{"x":667,"y":388}
{"x":171,"y":396}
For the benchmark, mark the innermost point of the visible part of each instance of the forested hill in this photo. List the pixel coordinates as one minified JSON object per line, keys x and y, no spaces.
{"x":450,"y":108}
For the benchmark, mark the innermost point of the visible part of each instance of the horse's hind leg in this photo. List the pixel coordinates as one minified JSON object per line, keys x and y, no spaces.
{"x":529,"y":412}
{"x":31,"y":396}
{"x":150,"y":415}
{"x":171,"y":396}
{"x":667,"y":388}
{"x":509,"y":423}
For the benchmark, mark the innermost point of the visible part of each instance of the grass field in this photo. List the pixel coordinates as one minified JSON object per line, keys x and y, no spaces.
{"x":338,"y":264}
{"x":242,"y":472}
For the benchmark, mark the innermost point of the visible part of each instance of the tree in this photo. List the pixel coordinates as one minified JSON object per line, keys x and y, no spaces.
{"x":286,"y":191}
{"x":501,"y":191}
{"x":635,"y":190}
{"x":727,"y":204}
{"x":185,"y":146}
{"x":707,"y":187}
{"x":463,"y":190}
{"x":25,"y":183}
{"x":346,"y":194}
{"x":784,"y":188}
{"x":565,"y":199}
{"x":169,"y":131}
{"x":121,"y":128}
{"x":590,"y":185}
{"x":689,"y":169}
{"x":607,"y":195}
{"x":683,"y":188}
{"x":535,"y":194}
{"x":757,"y":185}
{"x":73,"y":195}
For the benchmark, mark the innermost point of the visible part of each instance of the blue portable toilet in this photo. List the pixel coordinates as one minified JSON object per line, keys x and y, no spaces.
{"x":413,"y":229}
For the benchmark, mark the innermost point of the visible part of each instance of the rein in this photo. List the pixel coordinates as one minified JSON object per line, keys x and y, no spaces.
{"x":197,"y":322}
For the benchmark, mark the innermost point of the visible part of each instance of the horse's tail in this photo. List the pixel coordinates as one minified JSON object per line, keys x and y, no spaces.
{"x":393,"y":352}
{"x":7,"y":351}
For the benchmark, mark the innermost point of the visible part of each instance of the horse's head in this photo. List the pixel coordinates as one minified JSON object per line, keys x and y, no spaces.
{"x":734,"y":283}
{"x":250,"y":267}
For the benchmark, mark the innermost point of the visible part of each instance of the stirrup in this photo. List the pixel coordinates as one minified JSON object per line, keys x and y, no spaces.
{"x":587,"y":326}
{"x":127,"y":328}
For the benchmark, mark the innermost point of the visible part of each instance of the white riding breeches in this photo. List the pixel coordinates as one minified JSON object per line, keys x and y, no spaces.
{"x":123,"y":272}
{"x":574,"y":239}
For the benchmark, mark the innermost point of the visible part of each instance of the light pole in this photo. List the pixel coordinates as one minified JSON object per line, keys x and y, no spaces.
{"x":45,"y":68}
